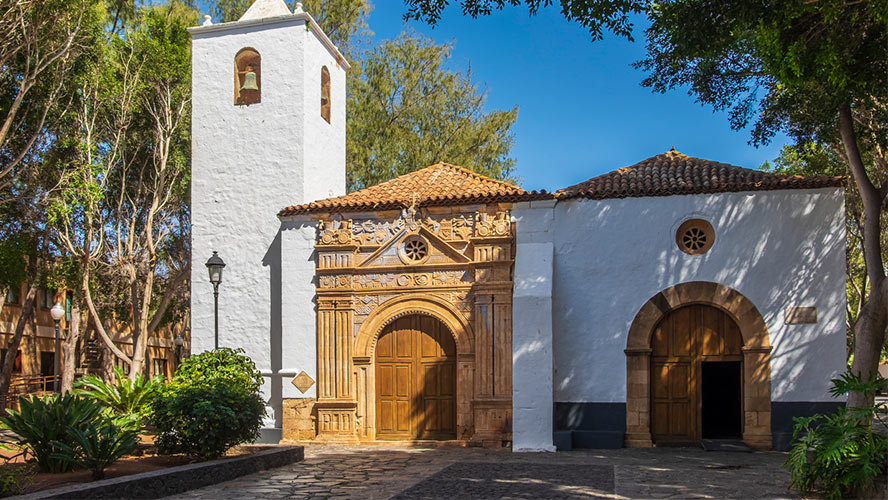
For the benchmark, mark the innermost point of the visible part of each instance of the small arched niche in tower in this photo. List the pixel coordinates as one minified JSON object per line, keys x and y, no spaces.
{"x":325,"y":93}
{"x":247,"y":77}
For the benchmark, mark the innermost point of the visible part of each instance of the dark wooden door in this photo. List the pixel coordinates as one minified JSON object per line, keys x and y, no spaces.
{"x":682,"y":341}
{"x":416,"y":380}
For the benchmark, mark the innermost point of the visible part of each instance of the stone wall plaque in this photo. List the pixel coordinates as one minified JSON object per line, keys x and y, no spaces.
{"x":303,"y":382}
{"x":800,"y":315}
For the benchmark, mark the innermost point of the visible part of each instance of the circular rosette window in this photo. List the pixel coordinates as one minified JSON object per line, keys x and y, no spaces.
{"x":414,"y":250}
{"x":695,"y":236}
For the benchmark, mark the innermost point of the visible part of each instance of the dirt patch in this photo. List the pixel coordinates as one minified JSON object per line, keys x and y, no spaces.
{"x":147,"y":460}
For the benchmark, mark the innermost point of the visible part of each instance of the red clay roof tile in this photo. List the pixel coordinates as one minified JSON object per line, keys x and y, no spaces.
{"x":673,"y":173}
{"x":441,"y":184}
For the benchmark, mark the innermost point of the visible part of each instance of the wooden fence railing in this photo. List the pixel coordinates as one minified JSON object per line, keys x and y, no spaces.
{"x":33,"y":385}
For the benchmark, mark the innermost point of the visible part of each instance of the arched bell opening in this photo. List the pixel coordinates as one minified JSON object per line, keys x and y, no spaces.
{"x":247,"y":77}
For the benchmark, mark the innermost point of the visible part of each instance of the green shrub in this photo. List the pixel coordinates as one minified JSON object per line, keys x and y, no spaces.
{"x":212,"y":404}
{"x":205,"y":421}
{"x":223,"y":363}
{"x":123,"y":396}
{"x":44,"y":424}
{"x":98,"y":447}
{"x":839,"y":452}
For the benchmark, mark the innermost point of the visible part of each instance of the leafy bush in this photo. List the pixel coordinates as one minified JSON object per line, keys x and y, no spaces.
{"x":123,"y":396}
{"x":839,"y":452}
{"x":231,"y":365}
{"x":44,"y":426}
{"x":212,"y":404}
{"x":98,"y":447}
{"x":205,"y":421}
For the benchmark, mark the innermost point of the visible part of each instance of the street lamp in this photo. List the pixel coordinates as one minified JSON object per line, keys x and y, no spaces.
{"x":179,"y":341}
{"x":215,"y":266}
{"x":57,"y":312}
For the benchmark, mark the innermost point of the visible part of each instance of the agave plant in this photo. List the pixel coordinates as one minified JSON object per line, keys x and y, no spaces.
{"x":43,"y":425}
{"x":123,"y":396}
{"x":97,"y":447}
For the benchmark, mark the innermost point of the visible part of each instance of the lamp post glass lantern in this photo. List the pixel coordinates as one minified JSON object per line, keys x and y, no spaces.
{"x":214,"y":267}
{"x":57,"y":312}
{"x":179,"y":341}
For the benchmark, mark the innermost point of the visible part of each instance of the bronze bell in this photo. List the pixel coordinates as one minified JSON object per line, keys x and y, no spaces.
{"x":249,"y":80}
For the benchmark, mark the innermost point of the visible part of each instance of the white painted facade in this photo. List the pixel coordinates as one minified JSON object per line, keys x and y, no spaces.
{"x":582,"y":270}
{"x":248,"y":162}
{"x":778,"y":248}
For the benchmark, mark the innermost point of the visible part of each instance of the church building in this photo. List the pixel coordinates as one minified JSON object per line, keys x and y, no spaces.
{"x":664,"y":303}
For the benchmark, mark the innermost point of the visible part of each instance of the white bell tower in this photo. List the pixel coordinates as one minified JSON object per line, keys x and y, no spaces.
{"x":268,"y":131}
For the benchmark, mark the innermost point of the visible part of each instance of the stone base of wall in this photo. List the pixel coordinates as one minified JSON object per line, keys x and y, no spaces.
{"x":299,"y":419}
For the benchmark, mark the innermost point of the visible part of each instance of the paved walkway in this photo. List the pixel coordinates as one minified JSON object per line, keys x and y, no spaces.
{"x":377,"y":472}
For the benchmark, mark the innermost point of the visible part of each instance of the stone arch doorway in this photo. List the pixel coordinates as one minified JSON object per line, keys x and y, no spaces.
{"x":415,"y":380}
{"x":755,"y":359}
{"x":459,"y":334}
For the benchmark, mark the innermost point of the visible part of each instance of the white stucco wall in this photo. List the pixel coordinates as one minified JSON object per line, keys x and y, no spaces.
{"x":298,"y":318}
{"x":777,"y":248}
{"x":324,"y":142}
{"x":248,"y":162}
{"x":532,"y":329}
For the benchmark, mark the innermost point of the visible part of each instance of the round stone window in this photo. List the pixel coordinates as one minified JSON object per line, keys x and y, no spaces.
{"x":695,"y":236}
{"x":414,"y":250}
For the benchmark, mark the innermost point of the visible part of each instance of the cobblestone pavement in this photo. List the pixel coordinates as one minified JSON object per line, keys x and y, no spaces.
{"x":378,"y":472}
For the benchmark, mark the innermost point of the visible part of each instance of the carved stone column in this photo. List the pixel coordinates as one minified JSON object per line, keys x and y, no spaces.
{"x":336,"y":405}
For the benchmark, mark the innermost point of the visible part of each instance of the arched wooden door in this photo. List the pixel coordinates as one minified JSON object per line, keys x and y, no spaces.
{"x":696,"y":376}
{"x":416,"y":380}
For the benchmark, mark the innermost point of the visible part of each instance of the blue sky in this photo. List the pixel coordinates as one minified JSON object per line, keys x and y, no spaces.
{"x":582,"y":109}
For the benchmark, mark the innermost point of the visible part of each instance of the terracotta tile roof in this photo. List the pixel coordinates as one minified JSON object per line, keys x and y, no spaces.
{"x":673,"y":173}
{"x":438,"y":185}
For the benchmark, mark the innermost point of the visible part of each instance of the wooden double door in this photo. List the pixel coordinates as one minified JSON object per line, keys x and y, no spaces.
{"x":416,"y":380}
{"x":696,"y":376}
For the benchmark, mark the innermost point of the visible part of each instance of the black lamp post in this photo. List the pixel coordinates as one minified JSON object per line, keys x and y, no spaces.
{"x":57,"y":313}
{"x":179,"y":341}
{"x":215,"y":266}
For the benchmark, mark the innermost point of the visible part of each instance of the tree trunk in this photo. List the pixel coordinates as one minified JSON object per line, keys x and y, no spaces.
{"x":69,"y":350}
{"x":869,"y":337}
{"x":14,"y":343}
{"x":869,"y":332}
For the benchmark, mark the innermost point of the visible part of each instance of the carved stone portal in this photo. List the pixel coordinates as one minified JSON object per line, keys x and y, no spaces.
{"x":453,"y":264}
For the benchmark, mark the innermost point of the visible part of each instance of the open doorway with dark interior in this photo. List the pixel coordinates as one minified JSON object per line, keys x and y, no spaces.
{"x":722,"y":400}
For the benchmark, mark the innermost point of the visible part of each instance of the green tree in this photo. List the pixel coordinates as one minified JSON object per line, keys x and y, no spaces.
{"x":120,"y":207}
{"x":816,"y":70}
{"x":597,"y":16}
{"x":812,"y":158}
{"x":407,"y":111}
{"x":43,"y":44}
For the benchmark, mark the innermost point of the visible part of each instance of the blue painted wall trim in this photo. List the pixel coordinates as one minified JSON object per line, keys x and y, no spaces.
{"x":591,"y":425}
{"x":782,"y":414}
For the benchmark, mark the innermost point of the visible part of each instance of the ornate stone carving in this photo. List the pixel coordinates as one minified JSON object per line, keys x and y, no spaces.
{"x":335,"y":281}
{"x":407,"y":280}
{"x":335,"y":232}
{"x":486,"y":227}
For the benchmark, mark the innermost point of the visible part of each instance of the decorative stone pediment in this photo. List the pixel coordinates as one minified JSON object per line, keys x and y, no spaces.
{"x":408,"y":246}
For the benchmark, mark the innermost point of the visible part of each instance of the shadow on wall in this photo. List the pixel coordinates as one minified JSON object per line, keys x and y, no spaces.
{"x":272,"y":260}
{"x":612,"y":256}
